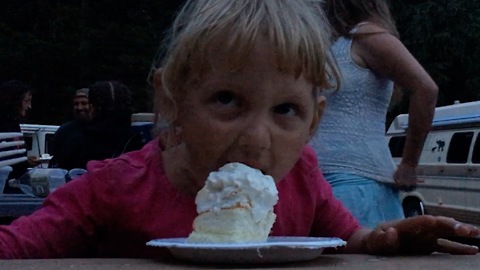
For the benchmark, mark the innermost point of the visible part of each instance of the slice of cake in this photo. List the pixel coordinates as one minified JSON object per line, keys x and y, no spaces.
{"x":235,"y":205}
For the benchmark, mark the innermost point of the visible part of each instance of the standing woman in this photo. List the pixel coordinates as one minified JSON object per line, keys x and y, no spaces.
{"x":16,"y":100}
{"x":350,"y":142}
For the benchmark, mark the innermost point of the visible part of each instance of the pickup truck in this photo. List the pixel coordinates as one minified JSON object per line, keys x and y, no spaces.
{"x":39,"y":137}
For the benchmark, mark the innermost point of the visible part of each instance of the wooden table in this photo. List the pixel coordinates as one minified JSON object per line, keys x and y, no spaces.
{"x":357,"y":262}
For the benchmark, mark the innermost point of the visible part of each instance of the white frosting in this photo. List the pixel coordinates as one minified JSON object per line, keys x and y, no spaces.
{"x":237,"y":185}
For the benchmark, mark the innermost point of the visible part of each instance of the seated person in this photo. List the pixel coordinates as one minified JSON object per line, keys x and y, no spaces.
{"x":69,"y":140}
{"x":106,"y":134}
{"x":16,"y":98}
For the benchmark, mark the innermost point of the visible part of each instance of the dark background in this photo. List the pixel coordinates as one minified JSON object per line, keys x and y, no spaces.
{"x":63,"y":45}
{"x":60,"y":46}
{"x":444,"y":35}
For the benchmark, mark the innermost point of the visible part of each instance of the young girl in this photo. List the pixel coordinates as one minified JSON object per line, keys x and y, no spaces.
{"x":239,"y":83}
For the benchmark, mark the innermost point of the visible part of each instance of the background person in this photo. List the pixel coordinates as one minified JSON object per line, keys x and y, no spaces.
{"x":109,"y":133}
{"x":69,"y":142}
{"x":82,"y":109}
{"x":240,"y":82}
{"x":350,"y":142}
{"x":16,"y":97}
{"x":106,"y":135}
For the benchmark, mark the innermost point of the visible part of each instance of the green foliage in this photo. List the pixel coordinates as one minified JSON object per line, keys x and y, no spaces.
{"x":444,"y":36}
{"x":60,"y":46}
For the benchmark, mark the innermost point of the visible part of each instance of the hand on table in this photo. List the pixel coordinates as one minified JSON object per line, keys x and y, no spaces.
{"x":33,"y":161}
{"x":420,"y":235}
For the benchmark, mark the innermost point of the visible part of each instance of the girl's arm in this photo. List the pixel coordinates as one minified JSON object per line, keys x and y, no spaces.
{"x":417,"y":235}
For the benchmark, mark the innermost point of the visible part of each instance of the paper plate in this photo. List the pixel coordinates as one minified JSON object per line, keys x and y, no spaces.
{"x":274,"y":250}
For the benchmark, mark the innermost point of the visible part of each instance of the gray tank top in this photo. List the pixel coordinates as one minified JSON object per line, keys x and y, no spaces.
{"x":351,"y":135}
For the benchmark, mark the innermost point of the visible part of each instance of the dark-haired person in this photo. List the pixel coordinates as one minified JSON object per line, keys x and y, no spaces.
{"x":69,"y":140}
{"x":109,"y":133}
{"x":106,"y":135}
{"x":16,"y":97}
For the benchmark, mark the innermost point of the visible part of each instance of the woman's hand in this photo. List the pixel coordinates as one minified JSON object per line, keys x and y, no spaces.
{"x":405,"y":177}
{"x":420,"y":235}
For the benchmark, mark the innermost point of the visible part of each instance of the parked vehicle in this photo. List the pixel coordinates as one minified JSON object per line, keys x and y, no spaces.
{"x":38,"y":138}
{"x":449,"y":163}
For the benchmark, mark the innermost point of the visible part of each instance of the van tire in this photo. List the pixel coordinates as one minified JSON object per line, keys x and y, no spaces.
{"x":413,"y":207}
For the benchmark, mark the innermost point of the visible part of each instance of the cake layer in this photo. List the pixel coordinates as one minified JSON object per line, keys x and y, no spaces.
{"x":234,"y":225}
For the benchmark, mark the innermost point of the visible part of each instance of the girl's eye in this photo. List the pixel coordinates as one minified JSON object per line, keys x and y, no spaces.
{"x":287,"y":109}
{"x":226,"y":98}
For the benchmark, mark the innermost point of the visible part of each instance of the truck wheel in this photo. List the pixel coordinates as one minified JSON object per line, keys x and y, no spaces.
{"x":413,"y":207}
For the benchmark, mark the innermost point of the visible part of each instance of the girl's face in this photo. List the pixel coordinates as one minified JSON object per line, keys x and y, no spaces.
{"x":256,"y":115}
{"x":26,"y":103}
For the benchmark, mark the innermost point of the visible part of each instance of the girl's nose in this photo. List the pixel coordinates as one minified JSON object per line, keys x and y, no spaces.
{"x":256,"y":135}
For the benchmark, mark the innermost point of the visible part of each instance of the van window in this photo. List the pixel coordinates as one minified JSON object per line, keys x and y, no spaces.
{"x":396,"y":145}
{"x":28,"y":141}
{"x":48,"y":142}
{"x":476,"y":151}
{"x":459,"y":147}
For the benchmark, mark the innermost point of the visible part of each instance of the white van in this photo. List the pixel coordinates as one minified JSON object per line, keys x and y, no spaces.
{"x":449,"y":163}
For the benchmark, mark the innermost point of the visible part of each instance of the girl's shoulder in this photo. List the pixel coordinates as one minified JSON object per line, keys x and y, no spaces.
{"x":368,"y":28}
{"x":371,"y":36}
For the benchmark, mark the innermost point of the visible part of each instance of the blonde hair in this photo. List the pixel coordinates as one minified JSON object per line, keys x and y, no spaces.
{"x":297,"y":30}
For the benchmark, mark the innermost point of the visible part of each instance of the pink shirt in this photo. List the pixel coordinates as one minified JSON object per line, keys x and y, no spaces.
{"x":122,"y":203}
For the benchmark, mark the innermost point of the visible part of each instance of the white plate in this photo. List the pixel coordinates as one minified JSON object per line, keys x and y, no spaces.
{"x":274,"y":250}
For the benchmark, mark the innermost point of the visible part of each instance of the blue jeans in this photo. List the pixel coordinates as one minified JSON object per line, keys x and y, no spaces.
{"x":371,"y":202}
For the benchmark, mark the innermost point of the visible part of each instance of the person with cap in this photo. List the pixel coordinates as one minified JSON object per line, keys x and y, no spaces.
{"x":107,"y":132}
{"x":82,"y":109}
{"x":69,"y":140}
